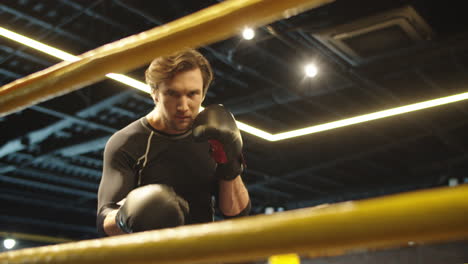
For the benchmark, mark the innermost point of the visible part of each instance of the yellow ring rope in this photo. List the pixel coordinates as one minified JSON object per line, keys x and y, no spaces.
{"x":422,"y":216}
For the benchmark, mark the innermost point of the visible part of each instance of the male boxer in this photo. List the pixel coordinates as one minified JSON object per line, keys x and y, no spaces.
{"x":163,"y":169}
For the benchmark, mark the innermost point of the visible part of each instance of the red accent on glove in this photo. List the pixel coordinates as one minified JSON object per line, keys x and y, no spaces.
{"x":217,"y":151}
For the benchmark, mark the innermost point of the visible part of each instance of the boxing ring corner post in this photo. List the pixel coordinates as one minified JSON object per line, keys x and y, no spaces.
{"x":424,"y":216}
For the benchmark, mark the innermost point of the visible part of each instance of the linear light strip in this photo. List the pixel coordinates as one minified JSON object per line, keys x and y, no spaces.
{"x":129,"y":81}
{"x":254,"y":131}
{"x":68,"y":57}
{"x":372,"y":116}
{"x":242,"y":126}
{"x":37,"y":45}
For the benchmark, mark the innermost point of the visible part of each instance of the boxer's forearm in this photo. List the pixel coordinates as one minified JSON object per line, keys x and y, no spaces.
{"x":233,"y":196}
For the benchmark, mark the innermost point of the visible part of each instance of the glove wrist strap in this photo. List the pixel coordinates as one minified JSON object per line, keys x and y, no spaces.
{"x":121,"y":224}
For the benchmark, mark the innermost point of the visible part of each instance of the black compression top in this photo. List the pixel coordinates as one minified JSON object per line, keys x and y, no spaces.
{"x":139,"y":155}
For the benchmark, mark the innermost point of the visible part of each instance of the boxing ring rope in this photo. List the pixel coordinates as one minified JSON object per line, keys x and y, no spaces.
{"x":212,"y":24}
{"x":431,"y":215}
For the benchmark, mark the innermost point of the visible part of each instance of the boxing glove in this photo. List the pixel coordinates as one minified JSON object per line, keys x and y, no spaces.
{"x":217,"y":125}
{"x":151,"y":207}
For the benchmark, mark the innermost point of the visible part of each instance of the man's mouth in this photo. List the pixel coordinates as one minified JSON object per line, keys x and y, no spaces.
{"x":183,"y":117}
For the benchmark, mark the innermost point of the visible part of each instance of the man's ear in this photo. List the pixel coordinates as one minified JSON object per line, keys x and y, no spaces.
{"x":204,"y":95}
{"x":155,"y":95}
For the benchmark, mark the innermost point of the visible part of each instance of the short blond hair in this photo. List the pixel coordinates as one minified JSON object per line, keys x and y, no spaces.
{"x":164,"y":68}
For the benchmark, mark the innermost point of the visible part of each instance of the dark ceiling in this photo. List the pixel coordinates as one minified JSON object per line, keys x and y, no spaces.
{"x":51,"y":153}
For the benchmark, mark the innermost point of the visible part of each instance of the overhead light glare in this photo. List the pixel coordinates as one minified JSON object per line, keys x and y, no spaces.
{"x":248,"y":33}
{"x":311,"y":70}
{"x":9,"y":243}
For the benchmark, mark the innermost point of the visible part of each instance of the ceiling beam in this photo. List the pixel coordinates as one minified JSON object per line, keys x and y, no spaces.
{"x":39,"y":135}
{"x":26,"y":56}
{"x":37,"y":200}
{"x":358,"y":155}
{"x":94,"y":14}
{"x":355,"y":195}
{"x":41,"y":175}
{"x":48,"y":26}
{"x":47,"y":224}
{"x":47,"y":187}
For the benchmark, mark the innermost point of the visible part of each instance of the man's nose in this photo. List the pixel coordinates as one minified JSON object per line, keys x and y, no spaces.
{"x":183,"y":105}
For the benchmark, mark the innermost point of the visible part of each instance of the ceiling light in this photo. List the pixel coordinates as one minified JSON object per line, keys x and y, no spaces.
{"x":248,"y":33}
{"x":371,"y":116}
{"x":311,"y":70}
{"x":37,"y":45}
{"x":129,"y":81}
{"x":255,"y":131}
{"x":9,"y":243}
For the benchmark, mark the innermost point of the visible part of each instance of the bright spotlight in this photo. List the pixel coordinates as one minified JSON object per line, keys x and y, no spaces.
{"x":311,"y":70}
{"x":248,"y":33}
{"x":9,"y":243}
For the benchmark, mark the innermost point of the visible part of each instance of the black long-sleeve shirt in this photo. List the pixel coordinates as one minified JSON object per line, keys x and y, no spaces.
{"x":139,"y":155}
